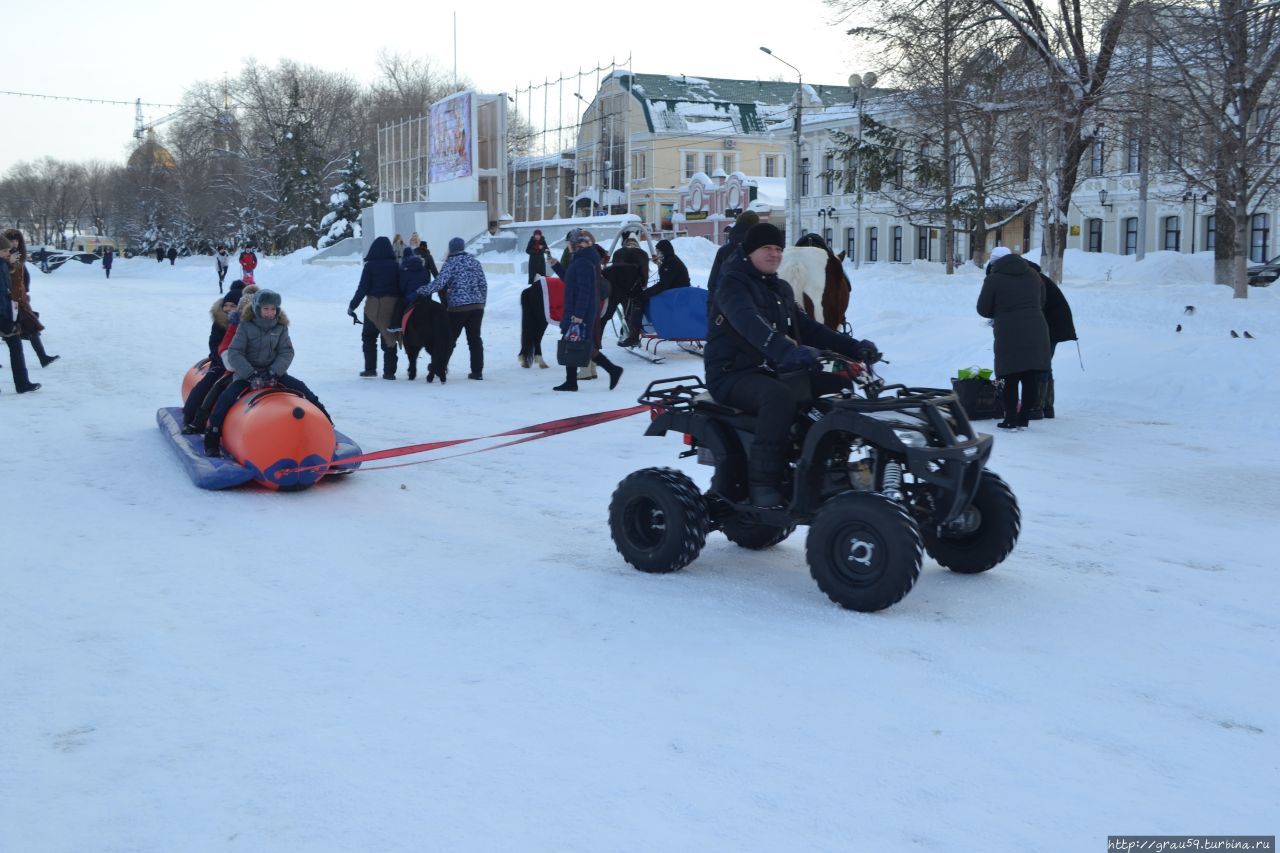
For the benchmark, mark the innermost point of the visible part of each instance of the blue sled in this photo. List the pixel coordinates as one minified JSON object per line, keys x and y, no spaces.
{"x":223,"y":472}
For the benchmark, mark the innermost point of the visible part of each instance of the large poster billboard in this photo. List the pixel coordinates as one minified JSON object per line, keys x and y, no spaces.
{"x":450,"y":138}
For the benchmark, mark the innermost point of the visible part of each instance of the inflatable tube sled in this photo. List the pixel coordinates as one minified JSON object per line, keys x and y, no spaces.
{"x":267,"y":432}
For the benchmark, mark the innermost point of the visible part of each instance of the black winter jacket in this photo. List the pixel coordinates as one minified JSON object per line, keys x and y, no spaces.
{"x":381,"y":273}
{"x":754,"y":323}
{"x":1057,"y":313}
{"x":1013,"y":295}
{"x":672,"y":272}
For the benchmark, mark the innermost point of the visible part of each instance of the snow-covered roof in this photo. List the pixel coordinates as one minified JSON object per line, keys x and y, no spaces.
{"x":715,"y":105}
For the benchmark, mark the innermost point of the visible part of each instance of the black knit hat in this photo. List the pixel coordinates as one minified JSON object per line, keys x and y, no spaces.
{"x":763,"y":234}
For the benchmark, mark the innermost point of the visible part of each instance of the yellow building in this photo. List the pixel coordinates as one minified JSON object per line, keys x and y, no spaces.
{"x":644,"y":137}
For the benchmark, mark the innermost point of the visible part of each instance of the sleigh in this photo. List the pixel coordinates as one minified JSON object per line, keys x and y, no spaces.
{"x":676,"y":316}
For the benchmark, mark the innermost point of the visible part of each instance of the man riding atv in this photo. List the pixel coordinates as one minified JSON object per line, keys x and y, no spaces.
{"x":755,"y":332}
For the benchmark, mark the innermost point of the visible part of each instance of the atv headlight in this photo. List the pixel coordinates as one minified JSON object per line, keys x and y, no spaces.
{"x":911,"y":438}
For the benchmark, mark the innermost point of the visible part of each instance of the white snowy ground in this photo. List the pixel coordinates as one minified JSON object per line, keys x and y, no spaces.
{"x":452,"y":656}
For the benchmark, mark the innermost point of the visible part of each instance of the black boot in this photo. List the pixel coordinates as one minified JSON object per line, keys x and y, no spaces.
{"x":614,"y":371}
{"x":213,"y":442}
{"x":570,"y":380}
{"x":764,"y":476}
{"x":38,"y":346}
{"x":1048,"y":397}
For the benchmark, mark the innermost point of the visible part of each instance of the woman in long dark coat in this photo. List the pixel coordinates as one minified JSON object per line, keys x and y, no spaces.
{"x":582,"y":289}
{"x":1013,"y":297}
{"x":533,"y":320}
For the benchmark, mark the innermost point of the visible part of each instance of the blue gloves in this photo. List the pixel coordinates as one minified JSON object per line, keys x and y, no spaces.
{"x":799,"y":357}
{"x":261,"y":379}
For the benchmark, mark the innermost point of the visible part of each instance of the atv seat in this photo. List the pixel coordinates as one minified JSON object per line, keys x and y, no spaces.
{"x":735,"y":418}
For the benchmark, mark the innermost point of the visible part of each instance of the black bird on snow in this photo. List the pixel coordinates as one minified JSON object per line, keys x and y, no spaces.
{"x":1233,"y":334}
{"x":1190,"y":309}
{"x":1247,"y":335}
{"x":1179,"y":329}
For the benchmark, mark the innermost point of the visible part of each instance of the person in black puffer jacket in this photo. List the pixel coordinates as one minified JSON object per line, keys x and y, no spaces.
{"x":755,"y":333}
{"x":1013,"y":296}
{"x":1062,"y":327}
{"x":381,"y":292}
{"x":672,"y":273}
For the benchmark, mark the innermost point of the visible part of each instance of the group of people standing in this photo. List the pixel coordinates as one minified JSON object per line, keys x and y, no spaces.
{"x":389,"y":287}
{"x":18,"y":320}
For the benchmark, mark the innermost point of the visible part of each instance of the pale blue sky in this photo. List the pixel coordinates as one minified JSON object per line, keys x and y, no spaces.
{"x":153,"y":50}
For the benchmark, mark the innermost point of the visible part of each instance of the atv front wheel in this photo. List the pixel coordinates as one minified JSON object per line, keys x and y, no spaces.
{"x":754,"y":535}
{"x":658,"y":519}
{"x":983,"y":535}
{"x":864,"y":551}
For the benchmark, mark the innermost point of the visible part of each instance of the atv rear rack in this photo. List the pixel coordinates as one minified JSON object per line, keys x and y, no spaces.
{"x":673,"y":395}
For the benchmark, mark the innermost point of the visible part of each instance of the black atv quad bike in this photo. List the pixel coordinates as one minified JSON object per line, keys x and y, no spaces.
{"x":877,"y":478}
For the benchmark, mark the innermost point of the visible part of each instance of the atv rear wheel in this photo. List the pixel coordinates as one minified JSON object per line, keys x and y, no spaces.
{"x":658,"y":519}
{"x":864,"y":551}
{"x":984,"y":534}
{"x":753,"y":534}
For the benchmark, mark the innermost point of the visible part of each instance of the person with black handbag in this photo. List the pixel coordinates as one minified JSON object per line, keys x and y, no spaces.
{"x":19,"y":291}
{"x":9,"y":327}
{"x":582,"y":287}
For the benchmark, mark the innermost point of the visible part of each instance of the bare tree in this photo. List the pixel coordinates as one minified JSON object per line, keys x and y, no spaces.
{"x":1221,"y":60}
{"x":1075,"y":43}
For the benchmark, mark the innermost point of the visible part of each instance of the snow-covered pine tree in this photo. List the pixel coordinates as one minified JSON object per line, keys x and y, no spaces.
{"x":350,"y":195}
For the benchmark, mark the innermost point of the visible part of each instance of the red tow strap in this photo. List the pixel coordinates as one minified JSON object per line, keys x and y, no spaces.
{"x":529,"y":433}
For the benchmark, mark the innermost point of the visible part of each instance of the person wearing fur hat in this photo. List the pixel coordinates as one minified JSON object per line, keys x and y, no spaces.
{"x":20,"y":293}
{"x":746,"y":220}
{"x":466,"y":289}
{"x":672,"y":273}
{"x":9,"y":329}
{"x":381,"y":291}
{"x":1013,"y":298}
{"x":757,"y":332}
{"x":259,"y":355}
{"x":583,"y":284}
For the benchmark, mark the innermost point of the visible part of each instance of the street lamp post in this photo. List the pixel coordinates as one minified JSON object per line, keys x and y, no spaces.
{"x":793,"y":212}
{"x":858,"y":85}
{"x":826,"y":214}
{"x":1193,"y":198}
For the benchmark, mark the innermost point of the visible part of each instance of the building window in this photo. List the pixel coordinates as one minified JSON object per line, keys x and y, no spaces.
{"x":897,"y":168}
{"x":1096,"y":161}
{"x":638,"y":167}
{"x":1095,"y":235}
{"x":730,"y":163}
{"x":924,"y":245}
{"x":873,"y":244}
{"x":1022,"y":156}
{"x":828,"y":235}
{"x":897,"y":244}
{"x":1172,"y":233}
{"x":1210,"y":232}
{"x":1131,"y":236}
{"x":850,"y":243}
{"x":1133,"y":151}
{"x":804,"y":176}
{"x":690,"y":165}
{"x":828,"y":176}
{"x":1260,"y":237}
{"x":708,"y":163}
{"x":771,"y":167}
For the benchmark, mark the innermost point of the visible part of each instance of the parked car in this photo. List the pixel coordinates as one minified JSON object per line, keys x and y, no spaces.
{"x":1261,"y":275}
{"x":50,"y":259}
